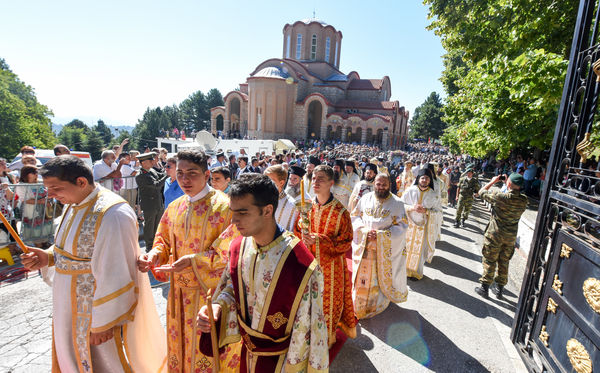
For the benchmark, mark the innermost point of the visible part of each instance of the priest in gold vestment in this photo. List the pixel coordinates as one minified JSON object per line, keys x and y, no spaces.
{"x":189,"y":246}
{"x":103,"y":316}
{"x":378,"y":250}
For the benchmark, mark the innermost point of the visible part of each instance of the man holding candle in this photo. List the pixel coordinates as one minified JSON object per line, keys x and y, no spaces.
{"x":104,"y":318}
{"x":327,"y":232}
{"x":187,"y":238}
{"x":270,"y":295}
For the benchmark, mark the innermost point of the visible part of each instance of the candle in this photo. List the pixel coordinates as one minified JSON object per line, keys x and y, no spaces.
{"x":13,"y":233}
{"x":302,"y":194}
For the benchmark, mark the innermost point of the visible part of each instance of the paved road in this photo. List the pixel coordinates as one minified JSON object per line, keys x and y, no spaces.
{"x":443,"y":327}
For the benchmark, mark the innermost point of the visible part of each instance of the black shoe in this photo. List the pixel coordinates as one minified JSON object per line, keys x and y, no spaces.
{"x":457,"y":224}
{"x":497,"y":290}
{"x":483,"y":290}
{"x":462,"y":223}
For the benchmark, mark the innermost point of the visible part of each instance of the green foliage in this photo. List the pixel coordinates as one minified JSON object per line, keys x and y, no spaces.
{"x":427,"y":119}
{"x":23,"y":120}
{"x":506,"y":103}
{"x":192,"y":114}
{"x":504,"y":70}
{"x":94,"y":144}
{"x":76,"y":123}
{"x":73,"y":137}
{"x":123,"y":134}
{"x":104,"y":132}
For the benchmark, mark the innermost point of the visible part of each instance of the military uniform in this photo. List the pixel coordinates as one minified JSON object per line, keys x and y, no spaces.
{"x":465,"y":199}
{"x":150,"y":189}
{"x":501,"y":233}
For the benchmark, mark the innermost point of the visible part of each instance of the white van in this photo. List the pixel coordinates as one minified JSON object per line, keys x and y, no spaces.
{"x":44,"y":155}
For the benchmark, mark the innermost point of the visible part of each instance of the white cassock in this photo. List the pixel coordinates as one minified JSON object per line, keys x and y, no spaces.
{"x":97,"y":287}
{"x":420,"y":236}
{"x":378,"y":266}
{"x":286,"y":213}
{"x":308,"y":187}
{"x":343,"y":189}
{"x":360,"y":189}
{"x":295,"y":194}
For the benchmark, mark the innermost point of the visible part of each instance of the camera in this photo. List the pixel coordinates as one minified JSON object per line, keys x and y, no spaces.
{"x":502,"y":178}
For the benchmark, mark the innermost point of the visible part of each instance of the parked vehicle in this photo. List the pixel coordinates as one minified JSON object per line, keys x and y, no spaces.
{"x":44,"y":155}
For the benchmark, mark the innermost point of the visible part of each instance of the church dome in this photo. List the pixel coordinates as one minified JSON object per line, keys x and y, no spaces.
{"x":271,"y":72}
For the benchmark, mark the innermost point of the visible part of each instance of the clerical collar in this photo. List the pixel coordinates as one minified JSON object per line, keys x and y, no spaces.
{"x":276,"y":239}
{"x":200,"y":195}
{"x":90,"y":196}
{"x":329,"y":200}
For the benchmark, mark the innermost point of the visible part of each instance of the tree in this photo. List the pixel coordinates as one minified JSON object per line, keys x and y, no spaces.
{"x":427,"y":119}
{"x":104,"y":132}
{"x":94,"y":144}
{"x":23,"y":120}
{"x":123,"y":134}
{"x":194,"y":112}
{"x":76,"y":123}
{"x":72,"y":137}
{"x":504,"y":70}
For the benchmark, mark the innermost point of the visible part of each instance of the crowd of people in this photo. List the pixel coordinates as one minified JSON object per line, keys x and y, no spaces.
{"x":272,"y":259}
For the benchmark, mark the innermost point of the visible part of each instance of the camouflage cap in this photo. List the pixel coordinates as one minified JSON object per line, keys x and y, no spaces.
{"x":517,"y":179}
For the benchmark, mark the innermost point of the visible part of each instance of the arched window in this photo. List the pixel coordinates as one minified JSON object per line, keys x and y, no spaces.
{"x":337,"y":45}
{"x":299,"y":46}
{"x":313,"y":48}
{"x":287,"y":46}
{"x":327,"y":48}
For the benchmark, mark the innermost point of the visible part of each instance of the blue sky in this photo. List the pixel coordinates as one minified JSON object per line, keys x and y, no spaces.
{"x":113,"y":59}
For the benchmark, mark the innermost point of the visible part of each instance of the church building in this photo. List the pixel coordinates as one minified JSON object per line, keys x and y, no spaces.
{"x":304,"y":95}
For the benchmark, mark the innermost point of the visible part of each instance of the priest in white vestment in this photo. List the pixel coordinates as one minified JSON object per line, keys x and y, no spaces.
{"x":293,"y":187}
{"x":378,"y":250}
{"x":104,"y":316}
{"x":286,"y":214}
{"x":420,"y":202}
{"x":364,"y":186}
{"x":342,"y":187}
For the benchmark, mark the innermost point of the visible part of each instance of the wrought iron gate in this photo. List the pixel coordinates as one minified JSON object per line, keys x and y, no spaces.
{"x":557,"y":325}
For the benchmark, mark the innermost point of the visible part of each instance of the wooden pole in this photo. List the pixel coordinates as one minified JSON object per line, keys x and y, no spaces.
{"x":213,"y":331}
{"x":13,"y":233}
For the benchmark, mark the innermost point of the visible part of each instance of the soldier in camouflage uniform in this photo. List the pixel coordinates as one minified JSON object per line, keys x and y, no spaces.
{"x":150,"y":189}
{"x":501,"y":232}
{"x":467,"y":187}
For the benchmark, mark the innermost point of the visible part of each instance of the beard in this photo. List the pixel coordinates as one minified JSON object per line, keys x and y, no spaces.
{"x":381,"y":194}
{"x":295,"y":189}
{"x":336,"y":176}
{"x":370,"y":180}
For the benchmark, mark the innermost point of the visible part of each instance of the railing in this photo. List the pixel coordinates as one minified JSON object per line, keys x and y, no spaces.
{"x":35,"y":216}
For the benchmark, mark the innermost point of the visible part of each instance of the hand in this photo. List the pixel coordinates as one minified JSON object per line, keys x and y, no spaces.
{"x":309,"y":239}
{"x":180,"y":265}
{"x":34,"y":259}
{"x":3,"y":185}
{"x":372,"y":235}
{"x":125,"y":142}
{"x":203,"y":321}
{"x":420,"y":209}
{"x":101,"y":337}
{"x":147,"y":261}
{"x":123,"y":161}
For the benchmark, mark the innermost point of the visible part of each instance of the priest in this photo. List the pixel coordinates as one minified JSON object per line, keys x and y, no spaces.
{"x":293,"y":185}
{"x":378,"y":250}
{"x":270,"y":295}
{"x":364,"y":186}
{"x":103,"y":315}
{"x":420,"y":203}
{"x":342,"y":188}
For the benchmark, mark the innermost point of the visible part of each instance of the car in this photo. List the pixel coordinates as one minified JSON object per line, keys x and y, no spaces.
{"x":44,"y":155}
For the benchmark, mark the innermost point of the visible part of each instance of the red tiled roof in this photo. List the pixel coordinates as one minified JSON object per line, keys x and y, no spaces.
{"x":370,"y":105}
{"x":366,"y":84}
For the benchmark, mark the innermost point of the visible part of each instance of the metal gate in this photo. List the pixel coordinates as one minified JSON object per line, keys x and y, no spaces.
{"x":557,"y":324}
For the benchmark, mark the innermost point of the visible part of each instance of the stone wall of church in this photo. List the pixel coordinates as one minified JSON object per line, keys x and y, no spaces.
{"x":300,"y":125}
{"x":333,"y":94}
{"x":364,"y":95}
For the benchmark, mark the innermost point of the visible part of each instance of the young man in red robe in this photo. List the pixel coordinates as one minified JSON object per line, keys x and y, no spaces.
{"x":329,"y":237}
